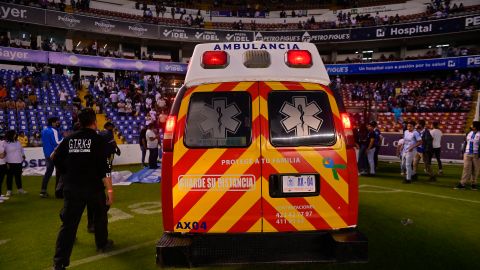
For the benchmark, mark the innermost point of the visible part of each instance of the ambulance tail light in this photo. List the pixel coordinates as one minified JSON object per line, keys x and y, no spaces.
{"x":298,"y":58}
{"x":169,"y":134}
{"x":347,"y":129}
{"x":214,"y":59}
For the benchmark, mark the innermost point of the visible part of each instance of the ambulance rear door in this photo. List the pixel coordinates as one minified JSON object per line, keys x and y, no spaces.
{"x":216,"y":172}
{"x":303,"y":158}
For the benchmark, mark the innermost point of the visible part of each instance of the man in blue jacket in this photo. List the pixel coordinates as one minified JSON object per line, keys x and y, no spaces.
{"x":51,"y":138}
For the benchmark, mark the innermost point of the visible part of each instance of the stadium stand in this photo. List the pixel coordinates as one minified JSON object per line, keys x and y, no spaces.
{"x":131,"y":101}
{"x":42,"y":101}
{"x":447,"y":100}
{"x":177,"y":13}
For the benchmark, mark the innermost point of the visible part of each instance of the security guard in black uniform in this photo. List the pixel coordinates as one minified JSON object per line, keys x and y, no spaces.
{"x":111,"y":150}
{"x":85,"y":169}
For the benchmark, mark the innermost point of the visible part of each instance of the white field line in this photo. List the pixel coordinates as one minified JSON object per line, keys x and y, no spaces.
{"x":108,"y":254}
{"x":390,"y":190}
{"x":382,"y":189}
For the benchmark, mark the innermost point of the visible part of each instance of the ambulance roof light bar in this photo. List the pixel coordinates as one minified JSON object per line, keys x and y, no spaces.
{"x":298,"y":59}
{"x":214,"y":59}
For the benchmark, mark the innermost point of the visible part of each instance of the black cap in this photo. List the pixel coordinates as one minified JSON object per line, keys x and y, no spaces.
{"x":373,"y":123}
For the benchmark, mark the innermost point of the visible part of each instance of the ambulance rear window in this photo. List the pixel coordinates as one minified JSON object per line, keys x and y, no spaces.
{"x":219,"y":119}
{"x":300,"y":118}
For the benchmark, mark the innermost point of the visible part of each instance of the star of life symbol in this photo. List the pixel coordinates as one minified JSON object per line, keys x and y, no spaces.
{"x":301,"y":116}
{"x":220,"y":118}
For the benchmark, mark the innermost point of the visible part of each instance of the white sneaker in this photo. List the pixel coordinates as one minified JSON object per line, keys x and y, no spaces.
{"x":8,"y":194}
{"x":21,"y":191}
{"x":4,"y":198}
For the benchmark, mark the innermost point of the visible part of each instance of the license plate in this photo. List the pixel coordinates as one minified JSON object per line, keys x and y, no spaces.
{"x":298,"y":183}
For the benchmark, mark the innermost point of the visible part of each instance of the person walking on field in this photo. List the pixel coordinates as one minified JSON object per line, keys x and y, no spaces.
{"x":84,"y":165}
{"x":400,"y":154}
{"x":152,"y":145}
{"x":51,"y":138}
{"x":14,"y":156}
{"x":471,"y":160}
{"x":143,"y":144}
{"x":427,"y":147}
{"x":411,"y":140}
{"x":371,"y":148}
{"x":3,"y":166}
{"x":362,"y":142}
{"x":377,"y":142}
{"x":437,"y":141}
{"x":111,"y":150}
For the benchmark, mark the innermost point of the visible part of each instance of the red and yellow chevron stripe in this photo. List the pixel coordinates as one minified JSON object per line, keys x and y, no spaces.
{"x":253,"y":210}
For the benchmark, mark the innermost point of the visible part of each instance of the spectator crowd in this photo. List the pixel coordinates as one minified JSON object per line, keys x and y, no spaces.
{"x":414,"y":95}
{"x":156,"y":11}
{"x":132,"y":94}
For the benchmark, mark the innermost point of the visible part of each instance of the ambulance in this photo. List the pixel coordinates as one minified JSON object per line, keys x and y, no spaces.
{"x":258,"y":161}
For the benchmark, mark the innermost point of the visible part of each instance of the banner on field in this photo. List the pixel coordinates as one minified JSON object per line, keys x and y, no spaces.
{"x":146,"y":176}
{"x":451,"y":146}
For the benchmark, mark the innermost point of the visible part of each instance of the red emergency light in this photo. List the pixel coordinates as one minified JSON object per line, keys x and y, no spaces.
{"x":168,"y":136}
{"x":347,"y":129}
{"x":298,"y":58}
{"x":346,"y":121}
{"x":214,"y":59}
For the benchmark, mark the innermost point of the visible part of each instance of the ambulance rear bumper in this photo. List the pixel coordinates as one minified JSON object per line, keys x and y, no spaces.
{"x":192,"y":250}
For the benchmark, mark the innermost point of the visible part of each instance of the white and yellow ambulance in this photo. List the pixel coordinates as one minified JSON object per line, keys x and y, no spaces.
{"x":258,"y":160}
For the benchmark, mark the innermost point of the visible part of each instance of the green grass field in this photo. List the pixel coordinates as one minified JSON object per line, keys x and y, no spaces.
{"x":445,"y":233}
